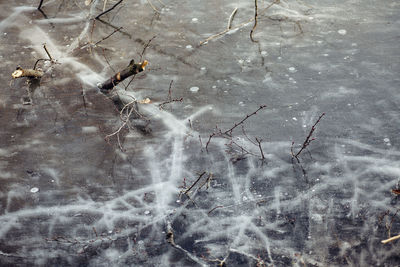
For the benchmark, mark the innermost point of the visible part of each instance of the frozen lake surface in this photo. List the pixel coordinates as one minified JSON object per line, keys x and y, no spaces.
{"x":161,"y":192}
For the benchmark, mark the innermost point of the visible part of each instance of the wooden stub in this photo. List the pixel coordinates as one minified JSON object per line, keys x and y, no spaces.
{"x":132,"y":69}
{"x":20,"y":72}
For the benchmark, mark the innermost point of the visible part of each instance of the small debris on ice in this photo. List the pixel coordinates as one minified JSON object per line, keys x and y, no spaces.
{"x":189,"y":47}
{"x":194,"y":89}
{"x":342,"y":32}
{"x":292,"y":69}
{"x":195,"y":19}
{"x":294,"y":118}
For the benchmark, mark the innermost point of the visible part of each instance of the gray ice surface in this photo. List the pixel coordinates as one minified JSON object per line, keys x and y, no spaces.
{"x":69,"y":197}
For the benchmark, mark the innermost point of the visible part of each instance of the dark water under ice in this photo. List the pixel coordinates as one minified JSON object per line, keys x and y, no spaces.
{"x":68,"y":197}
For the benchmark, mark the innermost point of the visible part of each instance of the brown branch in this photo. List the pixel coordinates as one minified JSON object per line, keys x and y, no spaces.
{"x":130,"y":70}
{"x":30,"y":73}
{"x":308,"y":140}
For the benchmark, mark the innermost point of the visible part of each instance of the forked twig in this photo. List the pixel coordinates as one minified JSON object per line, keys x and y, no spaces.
{"x":238,"y":26}
{"x":228,"y":133}
{"x":308,"y":140}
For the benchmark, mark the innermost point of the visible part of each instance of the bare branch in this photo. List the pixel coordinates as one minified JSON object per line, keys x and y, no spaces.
{"x":108,"y":10}
{"x":255,"y":20}
{"x":308,"y":140}
{"x":229,"y":132}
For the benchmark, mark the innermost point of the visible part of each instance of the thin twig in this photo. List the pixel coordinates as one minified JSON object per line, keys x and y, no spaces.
{"x":115,"y":27}
{"x":170,"y":100}
{"x":308,"y":140}
{"x":198,"y":179}
{"x":238,"y":26}
{"x":214,"y":209}
{"x":108,"y":10}
{"x":161,"y":2}
{"x":47,"y":52}
{"x":104,"y":5}
{"x":37,"y":61}
{"x":108,"y":36}
{"x":229,"y":132}
{"x":146,"y":46}
{"x":161,"y":106}
{"x":261,"y":150}
{"x":153,"y":7}
{"x":255,"y":20}
{"x":231,"y":17}
{"x":125,"y":122}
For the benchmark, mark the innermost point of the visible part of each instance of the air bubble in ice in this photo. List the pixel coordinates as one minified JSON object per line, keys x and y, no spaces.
{"x":189,"y":47}
{"x":147,"y":212}
{"x":195,"y":19}
{"x":386,"y":140}
{"x":292,"y":69}
{"x":264,"y":53}
{"x":342,"y":32}
{"x":294,"y":118}
{"x":194,"y":89}
{"x":34,"y":189}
